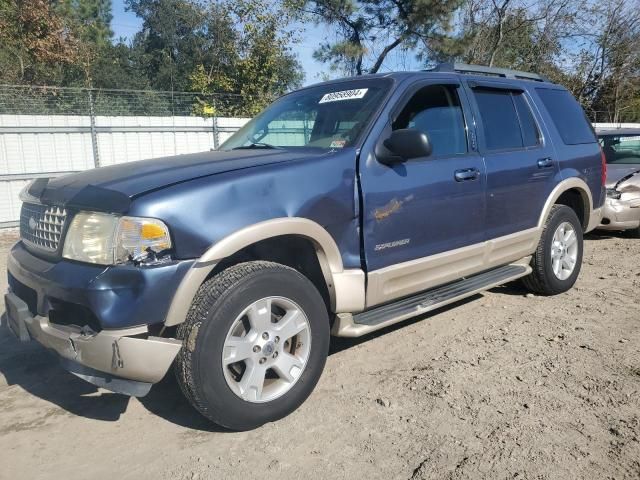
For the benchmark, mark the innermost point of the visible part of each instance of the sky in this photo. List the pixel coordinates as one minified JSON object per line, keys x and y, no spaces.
{"x":126,"y":24}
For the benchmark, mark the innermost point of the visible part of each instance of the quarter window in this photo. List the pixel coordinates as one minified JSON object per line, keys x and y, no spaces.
{"x":568,"y":116}
{"x":436,"y":111}
{"x":507,"y":120}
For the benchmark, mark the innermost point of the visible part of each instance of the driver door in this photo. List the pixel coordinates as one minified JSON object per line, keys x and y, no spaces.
{"x":417,"y":214}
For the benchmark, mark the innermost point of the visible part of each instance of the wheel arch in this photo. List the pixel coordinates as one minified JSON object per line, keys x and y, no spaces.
{"x":344,"y":288}
{"x":574,"y":193}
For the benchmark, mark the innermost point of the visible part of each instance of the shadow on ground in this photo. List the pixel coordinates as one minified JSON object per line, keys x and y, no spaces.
{"x":38,"y":372}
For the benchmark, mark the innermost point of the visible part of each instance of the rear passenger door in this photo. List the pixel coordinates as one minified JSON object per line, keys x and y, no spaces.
{"x":521,"y":167}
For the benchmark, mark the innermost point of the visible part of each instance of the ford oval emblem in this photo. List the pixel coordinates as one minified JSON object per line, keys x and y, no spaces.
{"x":33,"y":224}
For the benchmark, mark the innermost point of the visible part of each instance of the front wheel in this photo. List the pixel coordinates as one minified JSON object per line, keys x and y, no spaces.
{"x":557,"y":261}
{"x":255,"y":343}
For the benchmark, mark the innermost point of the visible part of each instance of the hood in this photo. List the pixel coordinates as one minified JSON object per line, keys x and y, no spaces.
{"x":617,"y":171}
{"x":112,"y":188}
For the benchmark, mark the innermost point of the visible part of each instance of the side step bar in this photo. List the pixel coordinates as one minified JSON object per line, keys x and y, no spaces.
{"x":348,"y":325}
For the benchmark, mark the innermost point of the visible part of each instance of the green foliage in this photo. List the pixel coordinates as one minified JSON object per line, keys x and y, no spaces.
{"x":368,"y":30}
{"x":249,"y":53}
{"x":245,"y":49}
{"x":238,"y":47}
{"x":593,"y":48}
{"x":35,"y":42}
{"x":89,"y":19}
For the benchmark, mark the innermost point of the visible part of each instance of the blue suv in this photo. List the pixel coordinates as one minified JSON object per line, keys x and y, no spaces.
{"x":341,"y":209}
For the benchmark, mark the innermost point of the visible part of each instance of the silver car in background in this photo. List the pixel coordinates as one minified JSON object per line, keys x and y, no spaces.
{"x":621,"y":210}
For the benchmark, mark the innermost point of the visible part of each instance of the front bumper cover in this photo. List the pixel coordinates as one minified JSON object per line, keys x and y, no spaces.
{"x":126,"y":360}
{"x":620,"y":214}
{"x":119,"y":296}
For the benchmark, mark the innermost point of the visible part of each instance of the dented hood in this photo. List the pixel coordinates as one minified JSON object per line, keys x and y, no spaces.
{"x":617,"y":171}
{"x":112,"y":188}
{"x":630,"y":186}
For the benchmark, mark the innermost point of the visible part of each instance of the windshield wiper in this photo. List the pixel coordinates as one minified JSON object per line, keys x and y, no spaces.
{"x":257,"y":145}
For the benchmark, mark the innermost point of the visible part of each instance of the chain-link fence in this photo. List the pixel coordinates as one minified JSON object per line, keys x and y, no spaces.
{"x":625,"y":116}
{"x":52,"y":131}
{"x":36,"y":100}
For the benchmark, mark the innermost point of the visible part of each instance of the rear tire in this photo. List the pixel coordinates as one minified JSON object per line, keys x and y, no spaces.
{"x":256,"y":339}
{"x":557,"y":261}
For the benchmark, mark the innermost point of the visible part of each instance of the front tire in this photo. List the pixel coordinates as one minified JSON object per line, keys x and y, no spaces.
{"x":256,"y":339}
{"x":557,"y":261}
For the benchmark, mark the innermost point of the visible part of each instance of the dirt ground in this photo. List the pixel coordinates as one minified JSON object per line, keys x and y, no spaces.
{"x":503,"y":385}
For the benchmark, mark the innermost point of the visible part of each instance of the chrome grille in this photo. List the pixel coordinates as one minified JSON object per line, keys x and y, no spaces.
{"x":42,"y":225}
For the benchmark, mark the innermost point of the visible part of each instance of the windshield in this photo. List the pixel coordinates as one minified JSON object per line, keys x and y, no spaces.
{"x":621,"y":149}
{"x":327,"y":117}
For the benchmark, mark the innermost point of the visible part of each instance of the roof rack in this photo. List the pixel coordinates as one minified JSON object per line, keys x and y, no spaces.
{"x":482,"y":70}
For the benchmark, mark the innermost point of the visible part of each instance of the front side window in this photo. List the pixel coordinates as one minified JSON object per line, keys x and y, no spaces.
{"x":621,"y":149}
{"x":329,"y":116}
{"x":436,"y":111}
{"x":506,"y":119}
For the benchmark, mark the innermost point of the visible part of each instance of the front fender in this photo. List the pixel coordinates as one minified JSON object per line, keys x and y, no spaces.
{"x":346,"y":287}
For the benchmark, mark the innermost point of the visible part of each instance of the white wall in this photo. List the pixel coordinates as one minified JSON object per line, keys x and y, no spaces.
{"x":40,"y":145}
{"x":616,"y":125}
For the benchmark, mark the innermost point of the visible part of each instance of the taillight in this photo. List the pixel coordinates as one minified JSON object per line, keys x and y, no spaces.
{"x":604,"y":166}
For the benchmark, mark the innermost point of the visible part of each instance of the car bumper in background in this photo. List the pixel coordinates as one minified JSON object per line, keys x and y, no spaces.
{"x":623,"y":214}
{"x":125,"y":361}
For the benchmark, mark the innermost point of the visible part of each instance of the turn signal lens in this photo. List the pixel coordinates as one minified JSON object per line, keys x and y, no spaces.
{"x":107,"y":239}
{"x":136,"y":236}
{"x":151,"y":231}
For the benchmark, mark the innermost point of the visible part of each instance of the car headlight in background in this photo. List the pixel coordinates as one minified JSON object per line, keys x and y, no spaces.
{"x":613,"y":193}
{"x":107,"y":239}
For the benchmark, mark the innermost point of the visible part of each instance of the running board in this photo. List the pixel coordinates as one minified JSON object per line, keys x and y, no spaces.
{"x":348,"y":325}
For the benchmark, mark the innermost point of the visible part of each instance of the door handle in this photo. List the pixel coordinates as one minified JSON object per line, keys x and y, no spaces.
{"x":545,"y":162}
{"x":466,"y":174}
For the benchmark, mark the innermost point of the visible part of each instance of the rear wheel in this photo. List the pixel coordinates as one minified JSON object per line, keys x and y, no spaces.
{"x":557,"y":261}
{"x":255,"y":343}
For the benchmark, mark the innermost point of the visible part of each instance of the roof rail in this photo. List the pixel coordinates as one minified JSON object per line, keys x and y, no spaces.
{"x":482,"y":70}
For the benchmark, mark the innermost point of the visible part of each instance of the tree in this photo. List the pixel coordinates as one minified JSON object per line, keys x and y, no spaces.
{"x":591,"y":47}
{"x":172,"y":40}
{"x":606,"y":74}
{"x":90,"y":19}
{"x":369,"y":30}
{"x":247,"y":52}
{"x":510,"y":33}
{"x":35,"y":42}
{"x":90,"y":23}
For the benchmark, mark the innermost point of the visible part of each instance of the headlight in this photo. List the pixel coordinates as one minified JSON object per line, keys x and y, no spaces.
{"x":108,"y":239}
{"x":613,"y":193}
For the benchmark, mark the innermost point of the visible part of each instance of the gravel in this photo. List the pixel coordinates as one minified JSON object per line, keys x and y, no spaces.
{"x":501,"y":385}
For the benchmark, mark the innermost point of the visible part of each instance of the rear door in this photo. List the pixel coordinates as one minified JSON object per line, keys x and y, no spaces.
{"x":521,"y":165}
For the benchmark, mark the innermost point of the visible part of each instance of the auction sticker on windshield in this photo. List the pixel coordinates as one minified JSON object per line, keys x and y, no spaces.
{"x":343,"y":95}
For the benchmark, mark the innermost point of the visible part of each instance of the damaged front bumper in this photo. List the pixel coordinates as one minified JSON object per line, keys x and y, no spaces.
{"x":622,"y":213}
{"x":126,"y":361}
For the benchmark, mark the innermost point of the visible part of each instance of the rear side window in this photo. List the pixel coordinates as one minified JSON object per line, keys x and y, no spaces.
{"x":530,"y":132}
{"x":568,"y":116}
{"x":506,"y":119}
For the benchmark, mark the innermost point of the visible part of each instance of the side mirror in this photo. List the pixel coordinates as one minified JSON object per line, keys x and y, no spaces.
{"x":403,"y":145}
